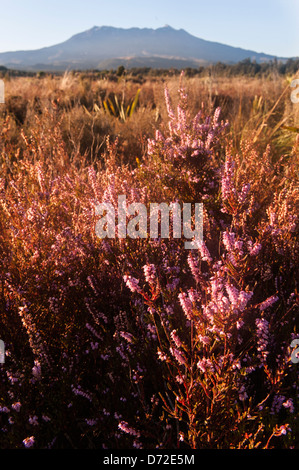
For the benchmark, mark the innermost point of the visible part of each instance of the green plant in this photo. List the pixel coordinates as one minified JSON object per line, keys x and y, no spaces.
{"x":120,"y":109}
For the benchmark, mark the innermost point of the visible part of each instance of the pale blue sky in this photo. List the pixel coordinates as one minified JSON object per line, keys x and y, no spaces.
{"x":270,"y":26}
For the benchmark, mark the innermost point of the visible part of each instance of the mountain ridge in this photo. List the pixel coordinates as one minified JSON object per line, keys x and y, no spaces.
{"x":99,"y":46}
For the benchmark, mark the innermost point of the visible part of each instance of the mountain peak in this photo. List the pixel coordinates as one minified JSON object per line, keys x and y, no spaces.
{"x":104,"y":47}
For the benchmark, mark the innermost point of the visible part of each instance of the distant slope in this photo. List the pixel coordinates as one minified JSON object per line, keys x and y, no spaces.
{"x":105,"y":47}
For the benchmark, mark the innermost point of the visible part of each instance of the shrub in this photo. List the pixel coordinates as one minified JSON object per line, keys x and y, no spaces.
{"x":139,"y":342}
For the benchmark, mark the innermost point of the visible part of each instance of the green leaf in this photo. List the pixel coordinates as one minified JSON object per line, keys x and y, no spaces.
{"x":112,"y":107}
{"x":291,"y":128}
{"x":134,"y":104}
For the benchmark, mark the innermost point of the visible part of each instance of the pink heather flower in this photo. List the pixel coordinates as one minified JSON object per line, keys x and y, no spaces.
{"x":205,"y":364}
{"x":149,"y":273}
{"x":272,"y":217}
{"x":178,"y":356}
{"x":254,"y":251}
{"x":238,"y":246}
{"x":193,"y":267}
{"x":193,"y":295}
{"x":36,"y":370}
{"x":209,"y":140}
{"x":93,"y":331}
{"x":168,"y":105}
{"x":233,"y":294}
{"x":225,"y":187}
{"x":16,"y":406}
{"x":161,"y":356}
{"x":242,"y":393}
{"x":228,"y":240}
{"x":204,"y":252}
{"x":182,"y":121}
{"x":152,"y":331}
{"x":244,"y":192}
{"x":263,"y":337}
{"x":232,"y":259}
{"x":127,"y":336}
{"x":180,"y":379}
{"x":243,"y":300}
{"x":282,"y":430}
{"x":28,"y":442}
{"x":46,"y":418}
{"x":268,"y":302}
{"x":79,"y":391}
{"x":216,"y":288}
{"x":4,"y":409}
{"x":277,"y":404}
{"x":159,"y":136}
{"x":151,"y":145}
{"x":91,"y":422}
{"x":40,"y":177}
{"x":176,"y":339}
{"x":124,"y":426}
{"x":33,"y":420}
{"x":173,"y":284}
{"x":236,"y":365}
{"x":204,"y":339}
{"x":216,"y":115}
{"x":186,"y":305}
{"x":227,"y":178}
{"x":223,"y":304}
{"x":132,"y":283}
{"x":289,"y":404}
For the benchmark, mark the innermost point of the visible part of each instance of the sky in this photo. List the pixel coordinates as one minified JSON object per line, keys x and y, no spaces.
{"x":269,"y":26}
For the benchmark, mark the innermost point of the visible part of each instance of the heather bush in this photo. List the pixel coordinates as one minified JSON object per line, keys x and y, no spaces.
{"x":123,"y":342}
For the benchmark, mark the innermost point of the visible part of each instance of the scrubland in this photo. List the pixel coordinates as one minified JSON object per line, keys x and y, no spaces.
{"x":141,"y":343}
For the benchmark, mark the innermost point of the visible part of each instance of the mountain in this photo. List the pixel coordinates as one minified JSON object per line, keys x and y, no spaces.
{"x":107,"y":47}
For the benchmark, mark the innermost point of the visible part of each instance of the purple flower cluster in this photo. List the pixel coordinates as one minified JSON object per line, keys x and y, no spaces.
{"x":188,"y":138}
{"x":262,"y":332}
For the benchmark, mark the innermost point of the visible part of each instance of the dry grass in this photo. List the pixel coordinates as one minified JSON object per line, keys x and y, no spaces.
{"x":255,"y":108}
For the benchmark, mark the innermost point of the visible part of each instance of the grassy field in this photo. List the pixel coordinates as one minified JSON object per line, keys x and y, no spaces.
{"x":141,"y":343}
